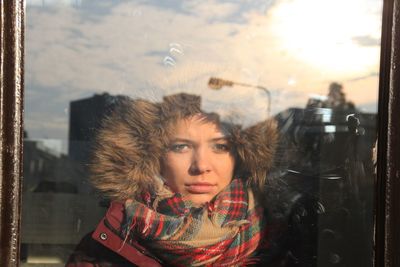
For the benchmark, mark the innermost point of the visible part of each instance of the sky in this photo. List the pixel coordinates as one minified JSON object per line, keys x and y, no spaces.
{"x":148,"y":49}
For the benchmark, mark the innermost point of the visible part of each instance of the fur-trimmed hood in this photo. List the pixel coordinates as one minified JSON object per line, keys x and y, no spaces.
{"x":133,"y":139}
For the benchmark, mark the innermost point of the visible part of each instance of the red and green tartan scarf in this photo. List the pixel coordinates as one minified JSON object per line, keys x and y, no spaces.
{"x":225,"y":232}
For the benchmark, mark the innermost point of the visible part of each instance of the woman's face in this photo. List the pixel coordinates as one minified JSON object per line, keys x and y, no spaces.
{"x":199,"y":162}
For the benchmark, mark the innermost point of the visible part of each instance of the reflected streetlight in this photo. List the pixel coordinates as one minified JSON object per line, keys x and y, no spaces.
{"x":217,"y":83}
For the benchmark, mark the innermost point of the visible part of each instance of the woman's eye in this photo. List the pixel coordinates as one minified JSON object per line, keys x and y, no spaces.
{"x":222,"y":147}
{"x":179,"y":147}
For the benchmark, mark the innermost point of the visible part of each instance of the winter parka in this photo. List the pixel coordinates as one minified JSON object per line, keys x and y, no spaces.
{"x":126,"y":158}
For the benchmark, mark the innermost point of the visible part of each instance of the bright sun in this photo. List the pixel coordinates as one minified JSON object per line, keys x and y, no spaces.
{"x":337,"y":36}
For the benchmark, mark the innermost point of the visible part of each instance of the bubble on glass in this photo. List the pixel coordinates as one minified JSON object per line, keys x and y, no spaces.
{"x":320,"y":208}
{"x":328,"y":234}
{"x":334,"y":258}
{"x":169,"y":61}
{"x":174,"y":44}
{"x":66,"y":111}
{"x":176,"y":48}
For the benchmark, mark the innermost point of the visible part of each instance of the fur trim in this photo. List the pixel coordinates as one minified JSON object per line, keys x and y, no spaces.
{"x":132,"y":140}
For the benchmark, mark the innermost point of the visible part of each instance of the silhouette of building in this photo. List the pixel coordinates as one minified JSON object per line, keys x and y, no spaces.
{"x":85,"y":119}
{"x":56,"y":186}
{"x":325,"y":156}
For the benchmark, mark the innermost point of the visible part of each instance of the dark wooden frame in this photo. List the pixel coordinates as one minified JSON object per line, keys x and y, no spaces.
{"x":387,"y":234}
{"x":387,"y":238}
{"x":11,"y":113}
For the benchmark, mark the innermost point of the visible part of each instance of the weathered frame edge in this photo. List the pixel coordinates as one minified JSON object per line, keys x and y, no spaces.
{"x":11,"y":115}
{"x":11,"y":118}
{"x":387,"y":213}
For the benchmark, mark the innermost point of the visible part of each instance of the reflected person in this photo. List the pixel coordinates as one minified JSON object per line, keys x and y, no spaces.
{"x":186,"y":188}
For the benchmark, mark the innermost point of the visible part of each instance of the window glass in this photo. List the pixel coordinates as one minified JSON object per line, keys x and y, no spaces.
{"x":310,"y":65}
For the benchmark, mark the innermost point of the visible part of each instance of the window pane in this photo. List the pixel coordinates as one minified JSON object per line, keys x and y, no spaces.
{"x":311,"y":65}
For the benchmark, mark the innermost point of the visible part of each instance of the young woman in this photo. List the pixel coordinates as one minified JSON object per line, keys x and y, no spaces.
{"x":186,"y":188}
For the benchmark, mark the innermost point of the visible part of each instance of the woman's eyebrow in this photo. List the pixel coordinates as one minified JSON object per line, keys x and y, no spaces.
{"x":180,"y":139}
{"x":222,"y":138}
{"x":186,"y":140}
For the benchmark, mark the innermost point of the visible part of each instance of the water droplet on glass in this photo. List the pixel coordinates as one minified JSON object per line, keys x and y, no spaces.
{"x":173,"y":50}
{"x":320,"y":208}
{"x":176,"y":45}
{"x":328,"y":234}
{"x":334,"y":258}
{"x":169,"y":61}
{"x":176,"y":48}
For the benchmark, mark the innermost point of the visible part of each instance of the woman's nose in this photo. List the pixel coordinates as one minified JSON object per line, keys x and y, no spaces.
{"x":201,"y":162}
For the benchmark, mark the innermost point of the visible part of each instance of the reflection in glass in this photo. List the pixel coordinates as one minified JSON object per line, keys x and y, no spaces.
{"x":318,"y":61}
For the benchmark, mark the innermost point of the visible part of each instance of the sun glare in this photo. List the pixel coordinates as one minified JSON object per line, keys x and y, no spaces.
{"x":340,"y":37}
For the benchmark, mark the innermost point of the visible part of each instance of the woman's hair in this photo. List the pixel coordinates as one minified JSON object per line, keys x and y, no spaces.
{"x":133,"y":139}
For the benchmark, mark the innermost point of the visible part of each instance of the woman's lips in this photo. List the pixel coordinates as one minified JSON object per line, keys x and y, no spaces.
{"x":200,"y":188}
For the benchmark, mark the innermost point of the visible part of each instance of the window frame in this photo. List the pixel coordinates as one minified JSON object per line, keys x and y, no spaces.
{"x":12,"y":16}
{"x":387,"y":190}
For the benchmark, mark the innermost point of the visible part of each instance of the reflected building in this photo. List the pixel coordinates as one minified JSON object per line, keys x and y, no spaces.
{"x":84,"y":121}
{"x":42,"y":164}
{"x":56,"y":186}
{"x":325,"y":158}
{"x":48,"y":169}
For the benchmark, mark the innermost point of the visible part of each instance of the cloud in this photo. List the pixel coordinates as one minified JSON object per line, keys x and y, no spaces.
{"x":152,"y":48}
{"x":366,"y":40}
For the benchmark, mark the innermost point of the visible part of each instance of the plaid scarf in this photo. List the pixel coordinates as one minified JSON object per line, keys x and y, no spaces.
{"x":225,"y":232}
